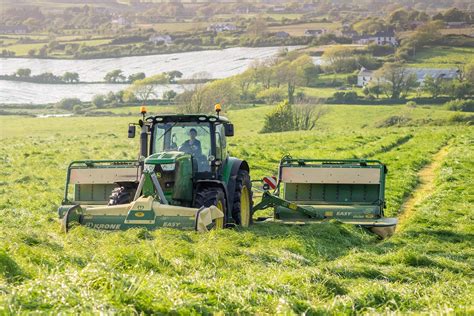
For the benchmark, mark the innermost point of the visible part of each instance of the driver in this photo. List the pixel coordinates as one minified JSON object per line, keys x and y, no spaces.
{"x":192,"y":146}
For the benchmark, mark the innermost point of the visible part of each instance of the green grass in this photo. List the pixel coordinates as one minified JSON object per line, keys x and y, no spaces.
{"x":443,"y":57}
{"x":324,"y":268}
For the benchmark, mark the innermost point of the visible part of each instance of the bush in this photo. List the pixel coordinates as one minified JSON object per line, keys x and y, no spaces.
{"x":348,"y":96}
{"x":287,"y":117}
{"x":78,"y":109}
{"x":459,"y":118}
{"x":272,"y":95}
{"x":394,"y":120}
{"x":351,"y":79}
{"x":68,"y":103}
{"x":99,"y":100}
{"x":381,"y":50}
{"x":460,"y":105}
{"x":280,"y":119}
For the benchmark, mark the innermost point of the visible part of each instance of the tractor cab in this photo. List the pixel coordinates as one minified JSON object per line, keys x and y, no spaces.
{"x":203,"y":137}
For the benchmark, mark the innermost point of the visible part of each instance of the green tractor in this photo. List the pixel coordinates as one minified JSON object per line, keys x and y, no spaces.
{"x":183,"y":178}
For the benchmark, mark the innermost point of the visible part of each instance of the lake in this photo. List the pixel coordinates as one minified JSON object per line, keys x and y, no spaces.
{"x":216,"y":63}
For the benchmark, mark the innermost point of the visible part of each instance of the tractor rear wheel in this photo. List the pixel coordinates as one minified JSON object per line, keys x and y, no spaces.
{"x":243,"y":203}
{"x":121,"y":195}
{"x":212,"y":196}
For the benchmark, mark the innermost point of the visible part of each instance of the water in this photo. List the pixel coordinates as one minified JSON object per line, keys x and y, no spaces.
{"x":216,"y":63}
{"x":14,"y":92}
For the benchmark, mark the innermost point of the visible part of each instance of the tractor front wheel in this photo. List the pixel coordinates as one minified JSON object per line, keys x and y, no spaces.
{"x":212,"y":196}
{"x":243,"y":203}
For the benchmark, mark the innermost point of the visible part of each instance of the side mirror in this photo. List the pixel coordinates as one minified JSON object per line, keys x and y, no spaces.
{"x":229,"y":129}
{"x":131,"y":131}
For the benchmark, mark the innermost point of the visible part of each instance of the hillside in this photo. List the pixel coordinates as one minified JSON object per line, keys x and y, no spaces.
{"x":268,"y":268}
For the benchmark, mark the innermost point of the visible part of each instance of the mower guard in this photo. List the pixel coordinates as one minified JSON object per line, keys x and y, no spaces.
{"x":144,"y":212}
{"x":316,"y":190}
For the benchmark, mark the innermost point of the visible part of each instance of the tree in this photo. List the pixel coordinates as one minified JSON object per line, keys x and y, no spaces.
{"x":169,"y":95}
{"x":43,"y":52}
{"x":137,"y":76}
{"x":458,"y":89}
{"x":244,"y":80}
{"x":468,"y":73}
{"x":433,"y":86}
{"x":70,"y":77}
{"x":68,"y":103}
{"x":114,"y":76}
{"x":454,"y":15}
{"x":173,"y":75}
{"x":23,"y":72}
{"x":262,"y":72}
{"x":257,"y":27}
{"x":369,"y":26}
{"x":427,"y":33}
{"x":32,"y":52}
{"x":305,"y":116}
{"x":98,"y":100}
{"x":395,"y":79}
{"x":144,"y":89}
{"x":339,"y":59}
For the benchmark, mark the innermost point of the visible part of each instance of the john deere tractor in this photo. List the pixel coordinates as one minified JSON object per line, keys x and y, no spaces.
{"x":184,"y":167}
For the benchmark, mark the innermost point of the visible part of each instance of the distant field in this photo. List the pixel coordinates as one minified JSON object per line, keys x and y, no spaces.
{"x":443,"y":57}
{"x":22,"y":49}
{"x":298,"y":29}
{"x":175,"y":27}
{"x":460,"y":31}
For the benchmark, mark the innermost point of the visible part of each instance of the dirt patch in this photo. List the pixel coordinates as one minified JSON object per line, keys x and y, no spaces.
{"x":426,"y":177}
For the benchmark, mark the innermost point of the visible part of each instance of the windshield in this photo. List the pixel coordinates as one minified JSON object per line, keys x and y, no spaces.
{"x":189,"y":137}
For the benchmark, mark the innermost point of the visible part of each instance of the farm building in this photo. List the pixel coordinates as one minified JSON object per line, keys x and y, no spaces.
{"x":121,"y":21}
{"x":16,"y":29}
{"x":315,"y":33}
{"x":156,"y":39}
{"x":222,"y":27}
{"x":365,"y":76}
{"x":282,"y":34}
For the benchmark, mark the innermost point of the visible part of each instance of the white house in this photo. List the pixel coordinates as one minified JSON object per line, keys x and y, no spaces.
{"x":156,"y":39}
{"x":380,"y":38}
{"x":121,"y":21}
{"x":222,"y":27}
{"x":365,"y":76}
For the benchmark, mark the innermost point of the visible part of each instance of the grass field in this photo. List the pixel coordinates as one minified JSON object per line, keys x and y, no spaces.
{"x":443,"y":57}
{"x":10,"y":43}
{"x":298,"y":29}
{"x":427,"y":267}
{"x":175,"y":27}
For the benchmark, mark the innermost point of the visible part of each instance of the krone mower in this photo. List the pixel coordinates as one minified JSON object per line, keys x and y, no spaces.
{"x":315,"y":190}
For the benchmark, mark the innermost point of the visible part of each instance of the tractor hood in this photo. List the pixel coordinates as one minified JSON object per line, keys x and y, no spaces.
{"x":165,"y":157}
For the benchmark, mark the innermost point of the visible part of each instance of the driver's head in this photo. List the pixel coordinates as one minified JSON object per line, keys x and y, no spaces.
{"x":192,"y":133}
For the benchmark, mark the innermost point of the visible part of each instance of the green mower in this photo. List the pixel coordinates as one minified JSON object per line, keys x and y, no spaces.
{"x":316,"y":190}
{"x":184,"y":178}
